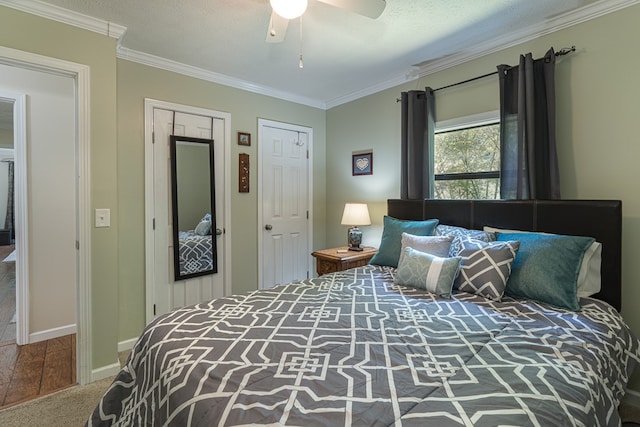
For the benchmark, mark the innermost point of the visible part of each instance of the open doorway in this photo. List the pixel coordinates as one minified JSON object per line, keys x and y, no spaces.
{"x":8,"y":316}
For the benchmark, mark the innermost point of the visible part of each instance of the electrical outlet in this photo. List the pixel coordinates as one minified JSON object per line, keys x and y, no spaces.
{"x":103,"y":218}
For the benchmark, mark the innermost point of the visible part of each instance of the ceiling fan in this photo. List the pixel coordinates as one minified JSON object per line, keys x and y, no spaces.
{"x":284,"y":10}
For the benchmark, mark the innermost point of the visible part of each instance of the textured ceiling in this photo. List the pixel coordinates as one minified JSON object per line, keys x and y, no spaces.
{"x":345,"y":54}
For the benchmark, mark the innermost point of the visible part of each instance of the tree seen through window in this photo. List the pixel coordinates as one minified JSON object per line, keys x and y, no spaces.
{"x":467,"y":163}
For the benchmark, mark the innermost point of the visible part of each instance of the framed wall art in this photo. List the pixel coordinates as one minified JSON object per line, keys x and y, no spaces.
{"x":243,"y":171}
{"x":362,"y":164}
{"x":244,"y":138}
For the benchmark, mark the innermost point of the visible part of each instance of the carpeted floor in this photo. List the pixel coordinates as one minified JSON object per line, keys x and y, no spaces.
{"x":69,"y":407}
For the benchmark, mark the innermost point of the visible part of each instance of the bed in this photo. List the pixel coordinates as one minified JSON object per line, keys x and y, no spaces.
{"x":358,"y":348}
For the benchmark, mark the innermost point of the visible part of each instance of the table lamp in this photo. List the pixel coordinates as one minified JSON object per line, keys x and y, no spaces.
{"x":355,"y":214}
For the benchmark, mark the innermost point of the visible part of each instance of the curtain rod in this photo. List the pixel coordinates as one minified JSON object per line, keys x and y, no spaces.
{"x":561,"y":52}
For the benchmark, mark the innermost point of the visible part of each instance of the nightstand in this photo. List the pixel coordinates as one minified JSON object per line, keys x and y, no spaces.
{"x":338,"y":259}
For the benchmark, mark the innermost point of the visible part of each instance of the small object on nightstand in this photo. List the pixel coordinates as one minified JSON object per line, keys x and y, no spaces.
{"x":355,"y":214}
{"x":339,"y":259}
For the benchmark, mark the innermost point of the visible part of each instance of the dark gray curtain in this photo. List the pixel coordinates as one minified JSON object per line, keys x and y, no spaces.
{"x":528,"y":157}
{"x":417,"y":135}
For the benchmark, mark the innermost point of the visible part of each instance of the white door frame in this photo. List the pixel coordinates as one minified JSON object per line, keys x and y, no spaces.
{"x":149,"y":105}
{"x":80,"y":74}
{"x":262,"y":123}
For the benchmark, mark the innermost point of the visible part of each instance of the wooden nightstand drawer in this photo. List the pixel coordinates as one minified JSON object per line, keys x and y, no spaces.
{"x":338,"y":259}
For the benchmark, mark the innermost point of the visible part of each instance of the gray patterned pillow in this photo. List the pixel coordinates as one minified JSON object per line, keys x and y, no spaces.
{"x":425,"y":271}
{"x":459,"y":234}
{"x":434,"y":245}
{"x":486,"y":267}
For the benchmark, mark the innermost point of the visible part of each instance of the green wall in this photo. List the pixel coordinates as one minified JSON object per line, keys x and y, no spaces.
{"x":137,"y":82}
{"x":597,"y":113}
{"x":41,"y":36}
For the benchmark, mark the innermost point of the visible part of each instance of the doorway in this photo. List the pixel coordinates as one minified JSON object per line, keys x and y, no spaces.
{"x":8,"y":316}
{"x":284,"y":202}
{"x":75,"y":82}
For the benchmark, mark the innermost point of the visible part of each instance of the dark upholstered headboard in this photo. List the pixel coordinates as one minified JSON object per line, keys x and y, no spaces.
{"x":601,"y":219}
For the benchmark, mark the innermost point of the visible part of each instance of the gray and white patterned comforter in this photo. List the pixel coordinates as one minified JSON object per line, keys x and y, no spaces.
{"x":351,"y":348}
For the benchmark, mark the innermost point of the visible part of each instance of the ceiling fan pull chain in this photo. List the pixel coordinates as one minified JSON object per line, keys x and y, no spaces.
{"x":300,"y":62}
{"x":272,"y":30}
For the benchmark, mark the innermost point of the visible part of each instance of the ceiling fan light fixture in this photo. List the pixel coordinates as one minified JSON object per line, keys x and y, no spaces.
{"x":289,"y":9}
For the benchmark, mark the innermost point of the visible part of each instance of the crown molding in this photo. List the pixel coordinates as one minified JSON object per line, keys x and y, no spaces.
{"x":586,"y":13}
{"x":66,"y":16}
{"x":199,"y":73}
{"x":387,"y":84}
{"x":560,"y":22}
{"x":551,"y":25}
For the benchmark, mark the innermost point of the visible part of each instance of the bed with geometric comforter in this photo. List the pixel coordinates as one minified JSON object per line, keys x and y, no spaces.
{"x":352,"y":348}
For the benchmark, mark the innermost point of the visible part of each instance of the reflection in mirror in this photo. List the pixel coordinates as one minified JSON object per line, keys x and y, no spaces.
{"x":193,"y":207}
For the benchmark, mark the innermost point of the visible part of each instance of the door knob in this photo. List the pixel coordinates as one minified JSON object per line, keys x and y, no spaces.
{"x":218,"y":232}
{"x":268,"y":227}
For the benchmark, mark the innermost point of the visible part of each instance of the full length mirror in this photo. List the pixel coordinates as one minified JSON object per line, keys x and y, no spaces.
{"x":193,"y":203}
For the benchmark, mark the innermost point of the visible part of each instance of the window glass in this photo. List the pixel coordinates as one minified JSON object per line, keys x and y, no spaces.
{"x":467,"y":162}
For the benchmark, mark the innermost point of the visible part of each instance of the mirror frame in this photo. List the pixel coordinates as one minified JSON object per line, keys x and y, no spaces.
{"x":174,"y":140}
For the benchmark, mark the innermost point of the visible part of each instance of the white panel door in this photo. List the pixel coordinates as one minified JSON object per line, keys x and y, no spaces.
{"x":170,"y":294}
{"x":284,"y":187}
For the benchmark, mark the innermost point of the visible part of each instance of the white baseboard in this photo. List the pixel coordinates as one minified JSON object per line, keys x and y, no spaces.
{"x":105,"y":372}
{"x":126,"y":344}
{"x":111,"y":370}
{"x":52,"y":333}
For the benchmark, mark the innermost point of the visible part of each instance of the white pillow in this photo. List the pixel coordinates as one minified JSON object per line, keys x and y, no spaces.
{"x":589,"y":276}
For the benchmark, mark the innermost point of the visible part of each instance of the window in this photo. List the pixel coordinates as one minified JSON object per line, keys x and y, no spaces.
{"x":467,"y":158}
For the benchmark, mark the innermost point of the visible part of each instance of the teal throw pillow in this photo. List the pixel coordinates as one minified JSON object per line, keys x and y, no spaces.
{"x":546,"y":267}
{"x":425,"y":271}
{"x":391,"y":243}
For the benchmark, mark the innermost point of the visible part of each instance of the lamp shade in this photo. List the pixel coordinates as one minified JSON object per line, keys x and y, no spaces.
{"x":289,"y":9}
{"x":356,"y":214}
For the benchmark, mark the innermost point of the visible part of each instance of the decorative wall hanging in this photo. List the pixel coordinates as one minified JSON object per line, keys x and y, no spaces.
{"x":243,"y":170}
{"x":362,"y":164}
{"x":244,"y":138}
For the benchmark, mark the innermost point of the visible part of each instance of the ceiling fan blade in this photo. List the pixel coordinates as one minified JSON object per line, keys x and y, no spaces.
{"x":277,"y":28}
{"x":369,"y":8}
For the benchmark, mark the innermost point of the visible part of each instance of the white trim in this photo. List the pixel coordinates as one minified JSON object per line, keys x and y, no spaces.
{"x":80,"y":73}
{"x":49,"y":334}
{"x":210,"y":76}
{"x":66,"y":16}
{"x":566,"y":20}
{"x":480,"y":119}
{"x":127,"y":345}
{"x":105,"y":372}
{"x":149,"y":105}
{"x":262,"y":123}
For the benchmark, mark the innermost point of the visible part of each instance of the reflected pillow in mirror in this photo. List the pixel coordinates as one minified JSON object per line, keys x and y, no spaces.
{"x":204,"y":226}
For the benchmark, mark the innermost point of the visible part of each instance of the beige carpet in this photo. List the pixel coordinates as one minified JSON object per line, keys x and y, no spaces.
{"x":68,"y":407}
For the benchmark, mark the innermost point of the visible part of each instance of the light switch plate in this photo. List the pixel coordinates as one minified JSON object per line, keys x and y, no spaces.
{"x":103,"y":218}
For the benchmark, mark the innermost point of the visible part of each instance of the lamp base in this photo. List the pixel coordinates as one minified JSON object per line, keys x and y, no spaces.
{"x":355,"y":238}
